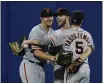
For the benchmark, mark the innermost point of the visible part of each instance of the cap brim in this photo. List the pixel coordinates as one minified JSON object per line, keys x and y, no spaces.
{"x":56,"y":14}
{"x":46,"y":15}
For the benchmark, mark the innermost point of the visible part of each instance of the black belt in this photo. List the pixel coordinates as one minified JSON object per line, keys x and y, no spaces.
{"x":38,"y":63}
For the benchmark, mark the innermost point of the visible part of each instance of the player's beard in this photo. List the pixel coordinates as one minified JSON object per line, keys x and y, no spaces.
{"x":48,"y":26}
{"x":63,"y":23}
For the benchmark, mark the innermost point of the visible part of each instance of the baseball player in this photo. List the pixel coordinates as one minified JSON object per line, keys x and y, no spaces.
{"x":81,"y":43}
{"x":31,"y":68}
{"x":63,"y":20}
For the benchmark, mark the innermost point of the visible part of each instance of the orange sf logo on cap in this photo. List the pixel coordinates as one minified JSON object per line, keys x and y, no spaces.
{"x":47,"y":10}
{"x":59,"y":9}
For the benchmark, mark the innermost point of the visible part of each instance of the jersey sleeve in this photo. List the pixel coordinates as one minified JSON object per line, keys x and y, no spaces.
{"x":91,"y":42}
{"x":34,"y":36}
{"x":58,"y":39}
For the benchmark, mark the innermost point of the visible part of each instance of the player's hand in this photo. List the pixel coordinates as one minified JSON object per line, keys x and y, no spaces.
{"x":53,"y":58}
{"x":25,"y":42}
{"x":74,"y":66}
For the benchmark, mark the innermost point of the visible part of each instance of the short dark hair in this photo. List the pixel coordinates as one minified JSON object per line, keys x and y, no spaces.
{"x":77,"y":17}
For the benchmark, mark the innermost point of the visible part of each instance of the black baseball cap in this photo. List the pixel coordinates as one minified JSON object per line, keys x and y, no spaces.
{"x":46,"y":12}
{"x":77,"y":17}
{"x":62,"y":11}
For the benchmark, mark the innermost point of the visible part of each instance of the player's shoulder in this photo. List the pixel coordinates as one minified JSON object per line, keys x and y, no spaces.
{"x":35,"y":30}
{"x":58,"y":30}
{"x":35,"y":27}
{"x":86,"y":32}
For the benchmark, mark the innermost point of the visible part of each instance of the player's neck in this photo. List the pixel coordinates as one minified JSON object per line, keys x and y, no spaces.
{"x":46,"y":28}
{"x":75,"y":26}
{"x":66,"y":26}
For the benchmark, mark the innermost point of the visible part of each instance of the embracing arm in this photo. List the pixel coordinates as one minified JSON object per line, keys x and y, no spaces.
{"x":31,"y":42}
{"x":86,"y":53}
{"x":38,"y":42}
{"x":43,"y":55}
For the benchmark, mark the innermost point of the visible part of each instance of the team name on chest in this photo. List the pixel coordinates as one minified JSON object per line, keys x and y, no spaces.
{"x":74,"y":36}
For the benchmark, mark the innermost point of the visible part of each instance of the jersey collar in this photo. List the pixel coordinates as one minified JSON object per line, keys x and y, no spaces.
{"x":78,"y":28}
{"x":44,"y":29}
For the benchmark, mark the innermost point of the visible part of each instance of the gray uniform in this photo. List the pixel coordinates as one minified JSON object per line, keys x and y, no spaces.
{"x":31,"y":68}
{"x":78,"y":40}
{"x":58,"y":39}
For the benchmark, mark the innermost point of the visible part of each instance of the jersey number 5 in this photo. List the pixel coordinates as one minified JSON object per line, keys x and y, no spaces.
{"x":79,"y":47}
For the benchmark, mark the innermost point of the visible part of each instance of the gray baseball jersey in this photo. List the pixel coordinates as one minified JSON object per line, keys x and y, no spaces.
{"x":78,"y":40}
{"x":38,"y":33}
{"x":30,"y":71}
{"x":57,"y":40}
{"x":75,"y":39}
{"x":59,"y":37}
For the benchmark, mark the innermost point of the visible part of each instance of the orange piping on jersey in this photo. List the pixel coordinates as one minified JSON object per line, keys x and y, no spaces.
{"x":36,"y":48}
{"x":25,"y":73}
{"x":52,"y":41}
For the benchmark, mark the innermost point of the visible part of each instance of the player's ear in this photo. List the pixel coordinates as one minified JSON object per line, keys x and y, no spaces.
{"x":67,"y":17}
{"x":40,"y":18}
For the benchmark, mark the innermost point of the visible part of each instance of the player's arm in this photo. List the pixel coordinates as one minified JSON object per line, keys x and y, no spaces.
{"x":86,"y":53}
{"x":89,"y":49}
{"x":51,"y":40}
{"x":39,"y":53}
{"x":38,"y":42}
{"x":36,"y":49}
{"x":31,"y":42}
{"x":43,"y":55}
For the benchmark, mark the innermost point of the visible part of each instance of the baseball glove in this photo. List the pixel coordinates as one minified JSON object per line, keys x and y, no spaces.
{"x":16,"y":47}
{"x":74,"y":66}
{"x":64,"y":58}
